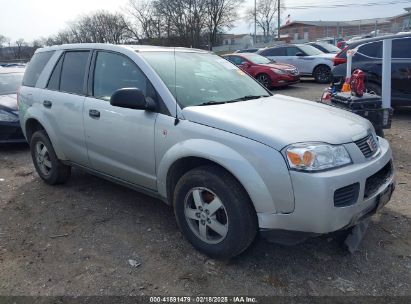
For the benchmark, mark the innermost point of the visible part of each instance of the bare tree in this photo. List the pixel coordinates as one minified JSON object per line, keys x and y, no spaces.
{"x":220,"y":14}
{"x":266,"y":11}
{"x":18,"y":50}
{"x":143,"y":12}
{"x":4,"y":41}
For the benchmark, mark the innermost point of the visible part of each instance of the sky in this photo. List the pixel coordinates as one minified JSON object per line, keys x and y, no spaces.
{"x":32,"y":19}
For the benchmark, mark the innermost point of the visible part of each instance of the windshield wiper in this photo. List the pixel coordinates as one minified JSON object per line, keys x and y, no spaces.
{"x":212,"y":102}
{"x":244,"y":98}
{"x":249,"y":97}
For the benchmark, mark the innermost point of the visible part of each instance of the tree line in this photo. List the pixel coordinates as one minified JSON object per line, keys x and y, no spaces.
{"x":189,"y":23}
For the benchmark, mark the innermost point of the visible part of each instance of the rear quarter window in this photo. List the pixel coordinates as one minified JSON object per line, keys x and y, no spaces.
{"x":273,"y":52}
{"x":373,"y":49}
{"x":35,"y":67}
{"x":401,"y":48}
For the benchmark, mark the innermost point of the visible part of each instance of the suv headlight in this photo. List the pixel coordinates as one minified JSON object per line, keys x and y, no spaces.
{"x":316,"y":156}
{"x":7,"y":117}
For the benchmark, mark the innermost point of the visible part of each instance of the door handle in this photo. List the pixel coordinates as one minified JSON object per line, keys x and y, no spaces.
{"x":94,"y":113}
{"x":47,"y":104}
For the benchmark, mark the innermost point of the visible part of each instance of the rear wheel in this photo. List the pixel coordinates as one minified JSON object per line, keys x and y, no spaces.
{"x":265,"y":80}
{"x":373,"y":88}
{"x":214,"y":212}
{"x":47,"y":165}
{"x":322,"y":74}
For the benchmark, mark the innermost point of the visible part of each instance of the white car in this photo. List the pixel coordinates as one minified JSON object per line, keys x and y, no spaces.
{"x":309,"y":60}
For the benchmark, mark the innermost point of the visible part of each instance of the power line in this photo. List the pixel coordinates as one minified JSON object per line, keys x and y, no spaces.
{"x":347,"y":5}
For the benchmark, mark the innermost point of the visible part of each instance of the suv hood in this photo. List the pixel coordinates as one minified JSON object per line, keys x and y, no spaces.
{"x":279,"y":120}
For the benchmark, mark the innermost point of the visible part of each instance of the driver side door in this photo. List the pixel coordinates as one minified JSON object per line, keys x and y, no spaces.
{"x":120,"y":141}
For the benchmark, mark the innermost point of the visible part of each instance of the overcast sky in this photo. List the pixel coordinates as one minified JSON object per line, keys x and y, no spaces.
{"x":31,"y":19}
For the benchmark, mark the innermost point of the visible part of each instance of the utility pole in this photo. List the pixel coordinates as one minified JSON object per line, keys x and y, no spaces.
{"x":255,"y":22}
{"x":278,"y":20}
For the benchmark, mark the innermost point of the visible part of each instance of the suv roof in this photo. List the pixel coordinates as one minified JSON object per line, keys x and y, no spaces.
{"x":366,"y":40}
{"x":106,"y":46}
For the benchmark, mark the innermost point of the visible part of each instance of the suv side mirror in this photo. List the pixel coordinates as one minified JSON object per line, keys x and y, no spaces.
{"x":131,"y":98}
{"x":300,"y":54}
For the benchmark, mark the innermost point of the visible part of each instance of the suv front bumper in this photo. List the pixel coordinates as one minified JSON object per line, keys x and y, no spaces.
{"x":315,"y":212}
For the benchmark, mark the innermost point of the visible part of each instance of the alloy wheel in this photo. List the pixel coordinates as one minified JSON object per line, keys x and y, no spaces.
{"x":264,"y":80}
{"x":206,"y":215}
{"x":43,"y":158}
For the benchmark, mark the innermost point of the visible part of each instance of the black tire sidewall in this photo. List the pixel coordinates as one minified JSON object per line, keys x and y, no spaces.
{"x":242,"y":223}
{"x":270,"y":83}
{"x":53,"y":177}
{"x":316,"y":71}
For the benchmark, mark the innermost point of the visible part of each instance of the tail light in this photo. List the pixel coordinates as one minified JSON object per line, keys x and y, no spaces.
{"x":339,"y":60}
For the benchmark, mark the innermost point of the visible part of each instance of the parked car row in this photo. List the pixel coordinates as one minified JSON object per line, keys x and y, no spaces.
{"x":312,"y":59}
{"x":268,"y":72}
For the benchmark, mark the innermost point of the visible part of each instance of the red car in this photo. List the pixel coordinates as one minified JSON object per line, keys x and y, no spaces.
{"x":269,"y":73}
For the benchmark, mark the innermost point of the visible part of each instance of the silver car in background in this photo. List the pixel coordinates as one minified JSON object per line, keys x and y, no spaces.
{"x":192,"y":129}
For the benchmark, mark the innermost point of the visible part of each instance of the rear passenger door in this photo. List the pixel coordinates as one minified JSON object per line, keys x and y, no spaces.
{"x":120,"y":141}
{"x":277,"y":54}
{"x":401,"y":69}
{"x":63,"y":103}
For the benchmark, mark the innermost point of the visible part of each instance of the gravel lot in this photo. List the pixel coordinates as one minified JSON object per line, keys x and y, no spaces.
{"x":81,"y":239}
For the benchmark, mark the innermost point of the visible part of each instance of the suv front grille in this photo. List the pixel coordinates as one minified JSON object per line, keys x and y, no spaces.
{"x":346,"y":196}
{"x":375,"y":181}
{"x":368,"y":145}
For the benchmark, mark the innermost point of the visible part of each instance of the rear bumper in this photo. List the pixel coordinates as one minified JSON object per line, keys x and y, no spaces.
{"x":10,"y":132}
{"x":315,"y":212}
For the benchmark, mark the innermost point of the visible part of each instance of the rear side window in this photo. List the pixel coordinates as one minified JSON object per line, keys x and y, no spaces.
{"x":54,"y":81}
{"x":35,"y":67}
{"x":273,"y":52}
{"x":73,"y":72}
{"x":401,"y":48}
{"x":293,"y":51}
{"x":113,"y":72}
{"x":373,"y":49}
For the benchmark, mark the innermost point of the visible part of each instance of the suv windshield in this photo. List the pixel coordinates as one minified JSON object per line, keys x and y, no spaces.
{"x":257,"y":59}
{"x":202,"y":78}
{"x":10,"y":82}
{"x":310,"y":50}
{"x":329,"y":47}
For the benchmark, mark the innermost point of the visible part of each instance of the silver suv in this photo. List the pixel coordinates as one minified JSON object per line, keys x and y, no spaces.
{"x":192,"y":129}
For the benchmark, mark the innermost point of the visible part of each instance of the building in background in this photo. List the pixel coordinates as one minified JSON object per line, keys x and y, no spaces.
{"x":304,"y":31}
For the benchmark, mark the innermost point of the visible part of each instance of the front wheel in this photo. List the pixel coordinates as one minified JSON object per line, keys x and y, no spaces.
{"x":265,"y":80}
{"x":322,"y":74}
{"x":214,"y":212}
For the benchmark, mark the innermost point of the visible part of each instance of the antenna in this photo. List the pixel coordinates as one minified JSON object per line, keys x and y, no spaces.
{"x":176,"y":121}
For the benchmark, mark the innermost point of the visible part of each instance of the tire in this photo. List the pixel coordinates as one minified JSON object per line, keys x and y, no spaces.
{"x":373,"y":88}
{"x":380,"y":132}
{"x":322,"y":74}
{"x":47,"y":165}
{"x":265,"y":80}
{"x":236,"y":218}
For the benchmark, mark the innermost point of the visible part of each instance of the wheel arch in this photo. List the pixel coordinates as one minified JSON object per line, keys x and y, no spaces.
{"x":185,"y":156}
{"x":321,"y":64}
{"x":32,"y":122}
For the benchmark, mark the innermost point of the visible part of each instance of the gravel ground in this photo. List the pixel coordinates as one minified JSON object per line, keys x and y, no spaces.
{"x":92,"y":237}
